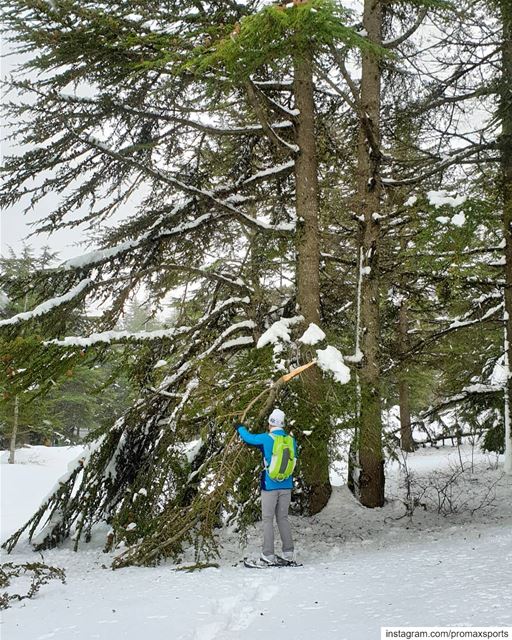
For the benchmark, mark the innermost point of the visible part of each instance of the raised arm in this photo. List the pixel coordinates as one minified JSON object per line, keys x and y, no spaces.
{"x":252,"y":439}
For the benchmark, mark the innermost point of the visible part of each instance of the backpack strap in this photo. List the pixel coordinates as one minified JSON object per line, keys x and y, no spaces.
{"x":265,"y":463}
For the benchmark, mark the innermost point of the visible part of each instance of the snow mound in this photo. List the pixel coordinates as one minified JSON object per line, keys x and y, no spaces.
{"x":26,"y":482}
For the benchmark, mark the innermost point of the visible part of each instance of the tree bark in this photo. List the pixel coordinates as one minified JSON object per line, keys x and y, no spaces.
{"x":314,"y":451}
{"x":406,"y":439}
{"x":371,"y":478}
{"x":14,"y":433}
{"x":306,"y":184}
{"x":506,"y":164}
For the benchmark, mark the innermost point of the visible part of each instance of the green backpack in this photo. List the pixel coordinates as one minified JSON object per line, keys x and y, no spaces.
{"x":283,"y":459}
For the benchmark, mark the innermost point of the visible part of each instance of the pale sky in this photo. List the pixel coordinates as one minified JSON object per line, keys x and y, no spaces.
{"x":14,"y":226}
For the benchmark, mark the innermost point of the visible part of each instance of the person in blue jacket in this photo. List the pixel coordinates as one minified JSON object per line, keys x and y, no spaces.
{"x":275,"y":495}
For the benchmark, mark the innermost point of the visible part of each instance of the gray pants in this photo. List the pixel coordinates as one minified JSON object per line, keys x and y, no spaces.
{"x":276,"y":503}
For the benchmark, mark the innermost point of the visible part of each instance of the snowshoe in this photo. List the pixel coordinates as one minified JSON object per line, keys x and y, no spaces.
{"x":285,"y":562}
{"x":261,"y":564}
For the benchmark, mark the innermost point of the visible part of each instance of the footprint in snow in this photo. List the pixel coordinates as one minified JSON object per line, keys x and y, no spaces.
{"x":208,"y":631}
{"x":266,"y":592}
{"x":235,"y":613}
{"x":224,"y":606}
{"x":242,"y":619}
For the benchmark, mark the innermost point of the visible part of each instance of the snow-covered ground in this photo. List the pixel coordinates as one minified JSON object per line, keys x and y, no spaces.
{"x":363,"y":569}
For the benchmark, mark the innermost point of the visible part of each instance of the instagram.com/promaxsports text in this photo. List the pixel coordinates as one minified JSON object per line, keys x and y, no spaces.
{"x":452,"y":633}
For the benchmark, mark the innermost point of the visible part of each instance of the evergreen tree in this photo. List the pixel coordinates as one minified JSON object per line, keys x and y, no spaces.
{"x":71,"y":407}
{"x":278,"y":193}
{"x":20,"y":418}
{"x":211,"y":194}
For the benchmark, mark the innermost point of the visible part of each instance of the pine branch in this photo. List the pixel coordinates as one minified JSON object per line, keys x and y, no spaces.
{"x":225,"y":205}
{"x":396,"y":42}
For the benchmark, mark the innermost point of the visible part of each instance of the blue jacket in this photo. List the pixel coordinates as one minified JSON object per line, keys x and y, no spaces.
{"x":265,"y":444}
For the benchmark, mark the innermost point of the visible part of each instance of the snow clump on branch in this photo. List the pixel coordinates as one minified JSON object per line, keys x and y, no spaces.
{"x":279,"y":330}
{"x":441,"y":198}
{"x":331,"y":361}
{"x":312,"y":335}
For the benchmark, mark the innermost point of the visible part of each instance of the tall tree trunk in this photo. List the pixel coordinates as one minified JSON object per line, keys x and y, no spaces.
{"x":371,"y":478}
{"x":406,"y":439}
{"x":14,"y":432}
{"x":314,"y":454}
{"x":255,"y":259}
{"x":353,"y":453}
{"x":506,"y":163}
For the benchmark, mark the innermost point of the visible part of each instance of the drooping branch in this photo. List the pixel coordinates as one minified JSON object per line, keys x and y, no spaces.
{"x":208,"y":196}
{"x":396,"y":42}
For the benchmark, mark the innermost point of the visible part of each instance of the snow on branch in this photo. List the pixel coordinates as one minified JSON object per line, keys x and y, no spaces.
{"x":330,"y":360}
{"x":252,"y":95}
{"x":186,"y":366}
{"x":279,"y":330}
{"x":100,"y":256}
{"x":210,"y":196}
{"x":463,"y":320}
{"x":244,"y":324}
{"x":448,"y":161}
{"x":312,"y":335}
{"x":221,"y":307}
{"x":249,"y":129}
{"x":443,"y":198}
{"x":274,"y":84}
{"x":467,"y":393}
{"x":457,"y":324}
{"x":49,"y":305}
{"x":272,"y":171}
{"x":115,"y":337}
{"x":281,"y":107}
{"x":111,"y":337}
{"x":242,"y":341}
{"x":103,"y":255}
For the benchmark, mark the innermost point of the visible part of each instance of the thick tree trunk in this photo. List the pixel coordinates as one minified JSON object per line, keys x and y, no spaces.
{"x":506,"y":163}
{"x":314,"y":453}
{"x":353,"y":454}
{"x":371,"y":479}
{"x":406,"y":439}
{"x":14,"y":432}
{"x":306,"y":179}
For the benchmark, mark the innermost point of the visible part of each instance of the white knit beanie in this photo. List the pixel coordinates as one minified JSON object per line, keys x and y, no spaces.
{"x":276,"y":418}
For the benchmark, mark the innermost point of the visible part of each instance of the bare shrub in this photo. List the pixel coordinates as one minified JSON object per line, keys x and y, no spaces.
{"x":37,"y":573}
